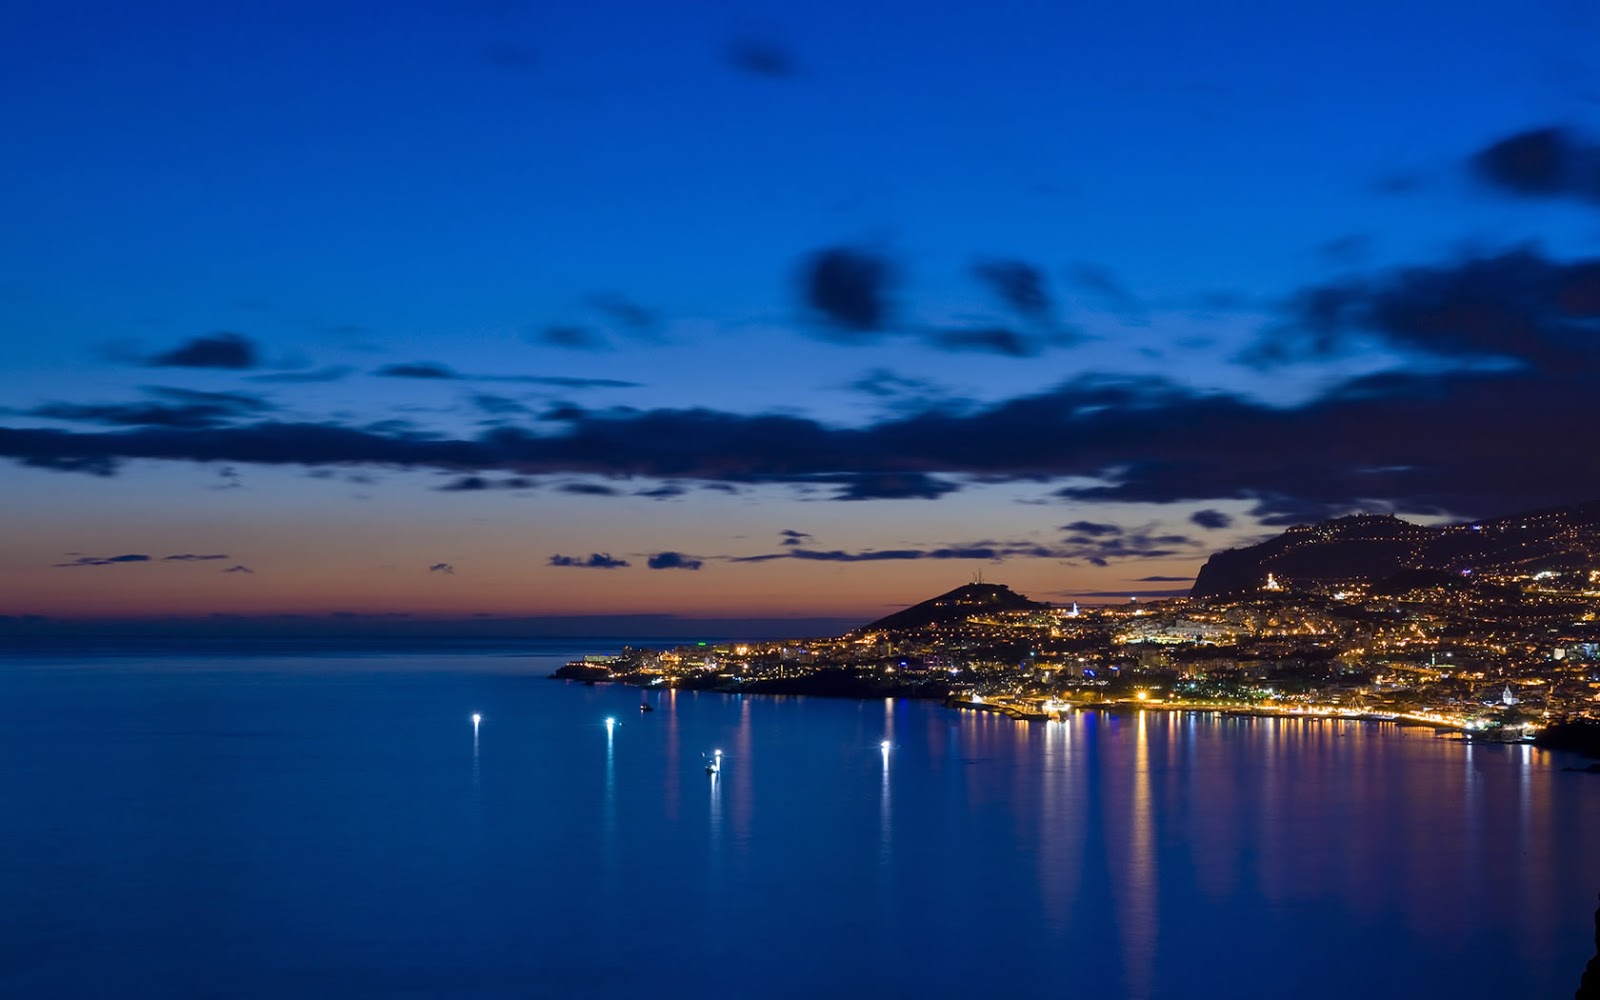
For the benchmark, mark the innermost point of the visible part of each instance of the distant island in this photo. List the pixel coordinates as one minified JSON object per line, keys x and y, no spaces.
{"x":1491,"y":628}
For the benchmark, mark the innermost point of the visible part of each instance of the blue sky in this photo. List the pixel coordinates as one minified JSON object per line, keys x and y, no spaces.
{"x":642,"y":194}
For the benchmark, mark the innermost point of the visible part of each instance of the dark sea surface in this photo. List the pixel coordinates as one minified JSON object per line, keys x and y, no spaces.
{"x":325,"y":823}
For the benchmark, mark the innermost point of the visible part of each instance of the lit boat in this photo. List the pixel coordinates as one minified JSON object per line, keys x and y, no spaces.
{"x":716,"y":763}
{"x":646,"y":708}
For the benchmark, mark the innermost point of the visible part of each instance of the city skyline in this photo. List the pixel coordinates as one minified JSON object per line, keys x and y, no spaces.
{"x":443,"y":313}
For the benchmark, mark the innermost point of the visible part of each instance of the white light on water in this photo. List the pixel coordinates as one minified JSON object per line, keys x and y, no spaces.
{"x":476,"y":718}
{"x":884,"y":746}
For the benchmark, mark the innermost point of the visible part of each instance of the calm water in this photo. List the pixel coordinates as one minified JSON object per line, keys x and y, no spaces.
{"x":328,"y":826}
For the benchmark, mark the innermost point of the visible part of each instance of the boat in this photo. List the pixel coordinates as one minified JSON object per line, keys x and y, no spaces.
{"x":715,"y":764}
{"x":646,"y":708}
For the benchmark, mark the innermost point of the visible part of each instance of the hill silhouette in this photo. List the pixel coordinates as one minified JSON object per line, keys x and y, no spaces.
{"x":1374,"y":547}
{"x":956,"y":605}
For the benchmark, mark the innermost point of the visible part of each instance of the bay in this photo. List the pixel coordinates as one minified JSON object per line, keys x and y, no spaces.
{"x":328,"y":823}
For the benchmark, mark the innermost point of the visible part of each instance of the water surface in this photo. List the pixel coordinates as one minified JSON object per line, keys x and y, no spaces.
{"x":328,"y":825}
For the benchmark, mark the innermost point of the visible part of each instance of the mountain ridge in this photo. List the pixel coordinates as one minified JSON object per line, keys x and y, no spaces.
{"x":1372,"y":547}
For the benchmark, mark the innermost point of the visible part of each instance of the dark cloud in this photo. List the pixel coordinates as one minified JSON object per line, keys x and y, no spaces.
{"x":1093,"y":529}
{"x":887,"y":486}
{"x":673,"y":560}
{"x":1518,"y":305}
{"x":191,"y":557}
{"x":499,"y":406}
{"x":417,"y":369}
{"x":1404,"y":442}
{"x":103,"y":561}
{"x":760,"y":57}
{"x":473,"y":484}
{"x":992,"y":340}
{"x":564,"y":412}
{"x":666,"y":491}
{"x":1138,"y":543}
{"x":180,"y":408}
{"x":1211,"y":520}
{"x":849,"y":287}
{"x":239,"y":569}
{"x":588,"y":489}
{"x":213,"y":350}
{"x":877,"y":555}
{"x":1542,"y":163}
{"x":571,"y":337}
{"x":793,"y":537}
{"x":1018,"y":284}
{"x":1164,"y":579}
{"x":431,"y":370}
{"x":1135,"y":594}
{"x":596,"y":560}
{"x":568,"y":382}
{"x":443,"y":567}
{"x":885,"y":384}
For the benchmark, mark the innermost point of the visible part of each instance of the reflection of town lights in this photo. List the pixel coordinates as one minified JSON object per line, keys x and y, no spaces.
{"x":476,"y":718}
{"x":1142,"y":695}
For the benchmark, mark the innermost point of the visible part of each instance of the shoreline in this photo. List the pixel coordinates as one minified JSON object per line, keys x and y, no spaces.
{"x":1020,"y":713}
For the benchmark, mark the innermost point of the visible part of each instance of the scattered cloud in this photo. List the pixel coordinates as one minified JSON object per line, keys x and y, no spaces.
{"x":474,"y":484}
{"x":1102,"y":283}
{"x":571,"y":337}
{"x":626,"y":314}
{"x":588,"y":489}
{"x":442,"y":567}
{"x":212,"y":350}
{"x":103,"y":561}
{"x":239,"y":569}
{"x":849,"y":288}
{"x":793,"y":537}
{"x":673,"y":560}
{"x":331,"y":373}
{"x":416,"y":369}
{"x":499,"y":406}
{"x":1541,"y":163}
{"x":1517,"y":305}
{"x":1211,"y":520}
{"x":1018,"y":284}
{"x":666,"y":491}
{"x":1101,"y":548}
{"x":190,"y":557}
{"x":433,"y":370}
{"x":1164,"y":579}
{"x":991,"y":340}
{"x":596,"y":560}
{"x":1403,"y":442}
{"x":172,"y":407}
{"x":1093,"y":529}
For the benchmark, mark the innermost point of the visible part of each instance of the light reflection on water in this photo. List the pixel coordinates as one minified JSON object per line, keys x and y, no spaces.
{"x":264,"y":833}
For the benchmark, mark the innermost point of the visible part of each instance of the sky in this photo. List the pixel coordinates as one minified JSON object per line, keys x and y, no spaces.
{"x":499,"y":312}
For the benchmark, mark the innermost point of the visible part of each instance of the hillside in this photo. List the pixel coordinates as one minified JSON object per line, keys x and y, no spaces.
{"x":1373,"y":547}
{"x":958,"y":604}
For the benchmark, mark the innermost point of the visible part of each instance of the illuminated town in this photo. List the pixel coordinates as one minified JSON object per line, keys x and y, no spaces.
{"x":1502,"y":649}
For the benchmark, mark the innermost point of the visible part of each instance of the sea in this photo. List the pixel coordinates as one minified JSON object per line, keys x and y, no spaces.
{"x":275,"y":821}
